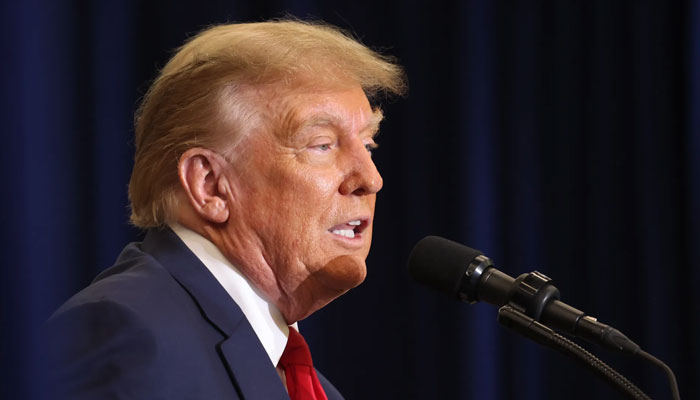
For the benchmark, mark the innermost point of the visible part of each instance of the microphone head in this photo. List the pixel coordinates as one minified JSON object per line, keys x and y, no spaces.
{"x":440,"y":264}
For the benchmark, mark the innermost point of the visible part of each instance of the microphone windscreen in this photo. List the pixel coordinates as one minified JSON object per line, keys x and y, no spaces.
{"x":440,"y":264}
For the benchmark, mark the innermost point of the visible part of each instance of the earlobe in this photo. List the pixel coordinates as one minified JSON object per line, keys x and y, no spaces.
{"x":202,"y":180}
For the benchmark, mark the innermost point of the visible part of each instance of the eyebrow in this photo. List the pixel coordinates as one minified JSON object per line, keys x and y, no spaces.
{"x":329,"y":119}
{"x":374,"y":121}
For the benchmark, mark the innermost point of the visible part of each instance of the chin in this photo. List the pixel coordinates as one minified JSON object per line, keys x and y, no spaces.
{"x":343,"y":273}
{"x":326,"y":284}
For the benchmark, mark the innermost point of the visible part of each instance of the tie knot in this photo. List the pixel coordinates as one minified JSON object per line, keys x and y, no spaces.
{"x":297,"y":351}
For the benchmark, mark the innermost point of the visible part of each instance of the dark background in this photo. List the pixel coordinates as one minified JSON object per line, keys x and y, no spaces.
{"x":557,"y":136}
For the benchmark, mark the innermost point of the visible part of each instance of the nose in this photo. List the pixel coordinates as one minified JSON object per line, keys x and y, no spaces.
{"x":362,"y":177}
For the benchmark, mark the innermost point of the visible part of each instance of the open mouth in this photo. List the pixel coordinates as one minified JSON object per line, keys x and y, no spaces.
{"x":351,"y":229}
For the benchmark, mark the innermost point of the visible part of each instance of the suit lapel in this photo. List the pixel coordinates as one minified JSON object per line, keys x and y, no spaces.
{"x":255,"y":380}
{"x":246,"y":360}
{"x":331,"y":392}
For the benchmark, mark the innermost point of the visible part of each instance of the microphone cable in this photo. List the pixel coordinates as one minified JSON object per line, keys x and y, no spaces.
{"x":669,"y":372}
{"x":528,"y":327}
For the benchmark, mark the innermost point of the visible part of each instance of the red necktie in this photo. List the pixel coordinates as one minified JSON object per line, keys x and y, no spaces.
{"x":302,"y":382}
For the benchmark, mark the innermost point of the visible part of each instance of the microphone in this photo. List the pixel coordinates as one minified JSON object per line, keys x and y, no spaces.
{"x":468,"y":275}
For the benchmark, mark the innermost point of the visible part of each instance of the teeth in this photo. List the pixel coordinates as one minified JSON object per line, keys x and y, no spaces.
{"x":348,"y":233}
{"x":354,"y":223}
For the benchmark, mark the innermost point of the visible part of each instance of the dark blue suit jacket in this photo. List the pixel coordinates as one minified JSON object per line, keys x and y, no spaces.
{"x":157,"y":325}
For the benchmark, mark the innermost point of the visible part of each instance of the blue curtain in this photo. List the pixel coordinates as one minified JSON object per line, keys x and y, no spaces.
{"x":562,"y":137}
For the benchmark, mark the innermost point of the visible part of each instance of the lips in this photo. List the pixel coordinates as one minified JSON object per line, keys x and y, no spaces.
{"x":351,"y":229}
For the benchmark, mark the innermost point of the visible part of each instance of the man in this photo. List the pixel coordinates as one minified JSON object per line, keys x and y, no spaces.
{"x":253,"y":175}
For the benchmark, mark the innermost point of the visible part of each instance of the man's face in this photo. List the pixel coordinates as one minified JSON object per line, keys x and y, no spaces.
{"x":303,"y":202}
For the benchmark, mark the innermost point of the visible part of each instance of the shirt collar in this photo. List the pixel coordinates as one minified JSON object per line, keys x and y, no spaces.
{"x":267,"y":321}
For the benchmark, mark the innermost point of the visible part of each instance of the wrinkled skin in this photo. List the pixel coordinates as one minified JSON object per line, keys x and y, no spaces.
{"x":270,"y":210}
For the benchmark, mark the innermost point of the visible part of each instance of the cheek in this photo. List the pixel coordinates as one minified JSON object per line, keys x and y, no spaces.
{"x":315,"y":179}
{"x":294,"y":209}
{"x":310,"y":192}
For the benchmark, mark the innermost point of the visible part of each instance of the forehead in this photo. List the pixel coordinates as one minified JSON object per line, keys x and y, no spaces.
{"x":345,"y":109}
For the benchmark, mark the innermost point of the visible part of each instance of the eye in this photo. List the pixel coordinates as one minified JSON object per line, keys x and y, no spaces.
{"x":370,"y":147}
{"x":323,"y":147}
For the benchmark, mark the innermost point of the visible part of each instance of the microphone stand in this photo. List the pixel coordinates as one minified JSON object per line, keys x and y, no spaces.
{"x":530,"y":328}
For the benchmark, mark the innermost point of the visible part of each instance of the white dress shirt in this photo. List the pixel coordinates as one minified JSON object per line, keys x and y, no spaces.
{"x":267,"y":321}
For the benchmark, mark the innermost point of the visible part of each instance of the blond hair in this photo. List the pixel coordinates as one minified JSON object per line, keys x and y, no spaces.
{"x":183,"y":107}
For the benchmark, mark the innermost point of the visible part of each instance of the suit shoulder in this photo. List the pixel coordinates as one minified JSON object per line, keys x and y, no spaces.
{"x":136,"y":287}
{"x":109,"y":340}
{"x":136,"y":280}
{"x":132,"y":331}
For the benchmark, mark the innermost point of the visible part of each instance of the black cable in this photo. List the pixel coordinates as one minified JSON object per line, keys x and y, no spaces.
{"x":528,"y":327}
{"x":599,"y":367}
{"x":669,"y":373}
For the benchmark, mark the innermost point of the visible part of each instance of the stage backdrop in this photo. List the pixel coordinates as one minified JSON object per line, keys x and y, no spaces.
{"x":561,"y":136}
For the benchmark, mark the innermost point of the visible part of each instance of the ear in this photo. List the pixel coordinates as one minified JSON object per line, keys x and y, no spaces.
{"x":202,"y":179}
